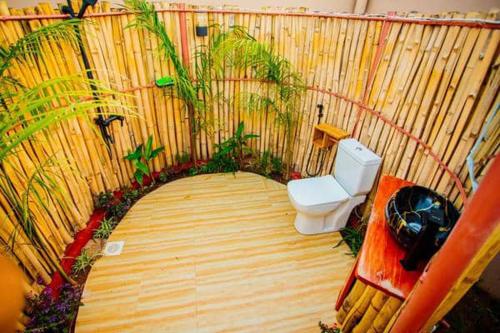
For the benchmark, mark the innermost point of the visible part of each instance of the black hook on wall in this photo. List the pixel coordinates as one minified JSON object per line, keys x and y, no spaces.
{"x":320,"y":112}
{"x":102,"y":122}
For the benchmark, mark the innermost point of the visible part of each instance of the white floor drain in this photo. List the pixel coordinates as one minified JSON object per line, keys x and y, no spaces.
{"x":113,"y":248}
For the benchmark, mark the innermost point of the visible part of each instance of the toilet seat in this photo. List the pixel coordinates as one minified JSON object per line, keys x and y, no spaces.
{"x":317,"y":191}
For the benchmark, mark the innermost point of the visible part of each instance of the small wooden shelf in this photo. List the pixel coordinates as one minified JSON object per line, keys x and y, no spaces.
{"x":326,"y":135}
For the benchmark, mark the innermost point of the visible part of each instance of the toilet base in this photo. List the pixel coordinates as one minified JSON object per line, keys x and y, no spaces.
{"x":312,"y":225}
{"x":334,"y":221}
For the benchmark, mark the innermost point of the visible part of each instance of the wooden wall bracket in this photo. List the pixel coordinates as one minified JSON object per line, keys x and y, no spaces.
{"x":326,"y":135}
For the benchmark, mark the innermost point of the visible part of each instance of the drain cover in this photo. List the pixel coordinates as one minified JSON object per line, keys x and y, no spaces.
{"x":113,"y":248}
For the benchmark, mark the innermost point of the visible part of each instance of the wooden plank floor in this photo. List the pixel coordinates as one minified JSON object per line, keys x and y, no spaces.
{"x":214,"y":253}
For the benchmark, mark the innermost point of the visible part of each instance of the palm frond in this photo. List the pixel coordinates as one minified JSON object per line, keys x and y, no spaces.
{"x":282,"y":87}
{"x":28,"y":112}
{"x":31,"y":44}
{"x":147,"y":19}
{"x":35,"y":109}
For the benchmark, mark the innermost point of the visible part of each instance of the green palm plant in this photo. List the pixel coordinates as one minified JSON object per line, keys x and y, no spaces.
{"x":281,"y":88}
{"x":31,"y":44}
{"x":147,"y":19}
{"x":27,"y":114}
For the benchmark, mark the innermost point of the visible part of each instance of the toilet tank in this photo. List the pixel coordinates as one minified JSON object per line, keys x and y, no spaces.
{"x":356,"y":167}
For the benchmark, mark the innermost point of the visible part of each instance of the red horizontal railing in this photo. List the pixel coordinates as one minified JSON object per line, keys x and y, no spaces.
{"x":390,"y":18}
{"x":371,"y":111}
{"x":402,"y":130}
{"x":471,"y":23}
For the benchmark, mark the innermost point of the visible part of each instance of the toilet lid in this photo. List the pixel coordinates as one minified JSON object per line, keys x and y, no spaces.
{"x":317,"y":191}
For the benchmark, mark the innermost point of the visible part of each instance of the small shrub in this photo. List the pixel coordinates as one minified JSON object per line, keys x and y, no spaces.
{"x":220,"y":163}
{"x":212,"y":166}
{"x":193,"y":171}
{"x":263,"y":163}
{"x":326,"y":329}
{"x":130,"y":195}
{"x":277,"y":166}
{"x":104,"y":200}
{"x":105,"y":229}
{"x":267,"y":165}
{"x":182,"y":158}
{"x":229,"y":154}
{"x":163,"y":177}
{"x":353,"y":237}
{"x":141,"y":157}
{"x":83,"y":261}
{"x":119,"y":210}
{"x":49,"y":315}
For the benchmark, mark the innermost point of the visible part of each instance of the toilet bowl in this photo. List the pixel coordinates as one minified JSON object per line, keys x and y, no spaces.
{"x":324,"y":203}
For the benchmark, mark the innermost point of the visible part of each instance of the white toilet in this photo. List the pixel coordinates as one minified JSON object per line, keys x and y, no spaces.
{"x":324,"y":204}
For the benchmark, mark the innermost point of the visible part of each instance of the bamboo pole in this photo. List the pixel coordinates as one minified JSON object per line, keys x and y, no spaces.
{"x":359,"y":309}
{"x":354,"y":295}
{"x":384,"y":316}
{"x":376,"y":305}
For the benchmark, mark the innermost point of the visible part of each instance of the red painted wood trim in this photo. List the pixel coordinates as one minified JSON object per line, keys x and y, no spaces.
{"x":376,"y":61}
{"x":402,"y":130}
{"x":183,"y":32}
{"x":477,"y":222}
{"x":472,"y":23}
{"x":379,"y":259}
{"x":378,"y":54}
{"x":375,"y":113}
{"x":74,"y":249}
{"x":349,"y":282}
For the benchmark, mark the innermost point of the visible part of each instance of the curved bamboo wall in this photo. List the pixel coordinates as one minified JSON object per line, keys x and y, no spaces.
{"x":437,"y":82}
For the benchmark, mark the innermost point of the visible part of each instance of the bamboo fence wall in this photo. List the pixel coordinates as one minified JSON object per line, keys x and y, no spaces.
{"x":377,"y":78}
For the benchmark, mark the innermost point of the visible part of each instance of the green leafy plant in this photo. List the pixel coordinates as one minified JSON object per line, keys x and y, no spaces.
{"x":280,"y":87}
{"x":327,"y":329}
{"x":118,"y":210}
{"x":353,"y":237}
{"x":130,"y":195}
{"x":266,"y":164}
{"x":277,"y":165}
{"x":263,"y":164}
{"x":182,"y":157}
{"x":84,"y":261}
{"x":104,"y":199}
{"x":163,"y":177}
{"x":27,"y":113}
{"x":220,"y":162}
{"x":280,"y":90}
{"x":230,"y":154}
{"x":237,"y":145}
{"x":193,"y":172}
{"x":105,"y":229}
{"x":140,"y":158}
{"x":147,"y":18}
